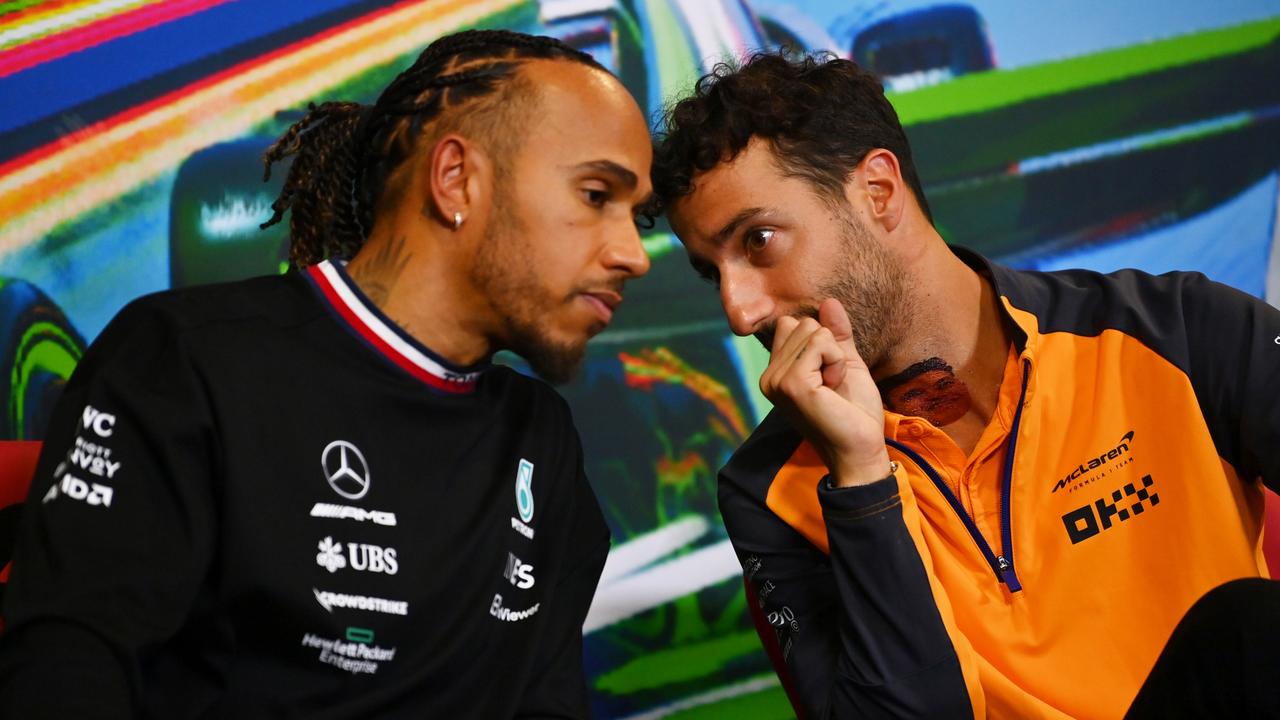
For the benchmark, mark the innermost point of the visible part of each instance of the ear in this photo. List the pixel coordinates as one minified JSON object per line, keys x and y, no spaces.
{"x":455,"y":168}
{"x":877,"y":181}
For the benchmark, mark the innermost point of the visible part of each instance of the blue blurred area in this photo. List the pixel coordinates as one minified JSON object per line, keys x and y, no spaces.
{"x":1029,"y":33}
{"x":1230,"y":243}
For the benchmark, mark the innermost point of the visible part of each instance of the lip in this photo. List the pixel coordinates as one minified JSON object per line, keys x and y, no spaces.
{"x":604,"y":302}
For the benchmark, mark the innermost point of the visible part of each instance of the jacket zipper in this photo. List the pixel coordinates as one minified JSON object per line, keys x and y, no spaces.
{"x":1001,"y":565}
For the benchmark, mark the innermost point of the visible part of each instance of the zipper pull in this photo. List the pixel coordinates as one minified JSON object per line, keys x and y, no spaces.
{"x":1007,"y":575}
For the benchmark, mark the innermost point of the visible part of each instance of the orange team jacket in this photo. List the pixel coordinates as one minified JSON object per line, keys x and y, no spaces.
{"x":1120,"y":479}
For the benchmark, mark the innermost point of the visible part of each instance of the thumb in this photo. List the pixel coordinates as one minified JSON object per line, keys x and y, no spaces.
{"x":832,"y":316}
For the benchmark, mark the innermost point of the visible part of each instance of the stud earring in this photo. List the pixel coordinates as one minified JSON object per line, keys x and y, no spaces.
{"x":457,"y":220}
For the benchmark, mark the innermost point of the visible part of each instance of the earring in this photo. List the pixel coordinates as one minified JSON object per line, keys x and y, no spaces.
{"x":457,"y":220}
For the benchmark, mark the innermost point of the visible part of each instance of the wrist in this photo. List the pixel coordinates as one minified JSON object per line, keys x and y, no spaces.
{"x":863,"y":473}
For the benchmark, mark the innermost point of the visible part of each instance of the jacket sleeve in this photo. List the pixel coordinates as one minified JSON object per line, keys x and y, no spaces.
{"x":116,"y":532}
{"x":859,"y":631}
{"x":1233,"y":350}
{"x":557,"y":686}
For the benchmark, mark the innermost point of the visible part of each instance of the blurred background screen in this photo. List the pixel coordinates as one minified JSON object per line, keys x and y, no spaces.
{"x":1060,"y":133}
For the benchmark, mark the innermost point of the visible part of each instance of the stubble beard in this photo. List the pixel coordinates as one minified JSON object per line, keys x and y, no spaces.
{"x":871,"y":285}
{"x":503,"y":273}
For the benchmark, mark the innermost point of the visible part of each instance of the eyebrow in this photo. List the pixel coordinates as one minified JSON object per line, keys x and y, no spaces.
{"x":622,"y":175}
{"x":730,"y":227}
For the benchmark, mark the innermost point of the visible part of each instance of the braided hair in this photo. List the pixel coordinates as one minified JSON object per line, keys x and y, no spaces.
{"x":345,"y":152}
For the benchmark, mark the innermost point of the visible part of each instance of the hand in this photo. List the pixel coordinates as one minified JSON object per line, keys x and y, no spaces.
{"x":818,"y":380}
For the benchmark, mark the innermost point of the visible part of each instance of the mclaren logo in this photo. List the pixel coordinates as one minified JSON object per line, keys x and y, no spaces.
{"x":1085,"y":468}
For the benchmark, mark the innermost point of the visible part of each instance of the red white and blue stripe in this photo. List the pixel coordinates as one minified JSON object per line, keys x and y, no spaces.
{"x":380,"y":333}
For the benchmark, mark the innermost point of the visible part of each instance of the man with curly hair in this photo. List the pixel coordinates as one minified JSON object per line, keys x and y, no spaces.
{"x":982,"y":492}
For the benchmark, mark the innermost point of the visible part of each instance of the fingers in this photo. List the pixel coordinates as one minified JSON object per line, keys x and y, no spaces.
{"x":792,"y":336}
{"x":782,"y":331}
{"x":786,"y":343}
{"x":818,"y":381}
{"x":802,"y":351}
{"x":832,"y":315}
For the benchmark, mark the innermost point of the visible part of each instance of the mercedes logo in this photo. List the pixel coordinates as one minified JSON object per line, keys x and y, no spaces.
{"x":345,"y":468}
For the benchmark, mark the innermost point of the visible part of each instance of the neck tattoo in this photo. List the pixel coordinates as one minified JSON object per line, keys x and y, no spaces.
{"x":928,"y":389}
{"x":376,"y":273}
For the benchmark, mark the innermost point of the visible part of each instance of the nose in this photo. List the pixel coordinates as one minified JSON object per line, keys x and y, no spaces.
{"x":745,"y":303}
{"x":625,"y":252}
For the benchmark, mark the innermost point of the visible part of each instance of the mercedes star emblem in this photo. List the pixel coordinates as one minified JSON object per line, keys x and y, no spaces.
{"x":345,"y":469}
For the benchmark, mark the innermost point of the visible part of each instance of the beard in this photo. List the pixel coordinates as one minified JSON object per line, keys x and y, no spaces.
{"x":513,"y":289}
{"x":871,"y":285}
{"x":557,"y":363}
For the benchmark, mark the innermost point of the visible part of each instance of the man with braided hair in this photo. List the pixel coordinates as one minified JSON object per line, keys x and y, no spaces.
{"x":313,"y":495}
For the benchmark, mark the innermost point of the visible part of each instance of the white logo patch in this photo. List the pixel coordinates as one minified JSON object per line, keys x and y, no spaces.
{"x":330,"y":555}
{"x":372,"y":558}
{"x":521,"y":528}
{"x":354,"y":657}
{"x":359,"y":556}
{"x":93,"y":458}
{"x":508,"y":615}
{"x":347,"y":512}
{"x":346,"y":469}
{"x":330,"y":600}
{"x":519,"y":573}
{"x":77,"y":489}
{"x":101,"y":423}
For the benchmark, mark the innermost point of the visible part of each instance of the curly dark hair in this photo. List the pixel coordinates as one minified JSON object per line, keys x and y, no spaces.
{"x":821,"y":114}
{"x":345,"y":152}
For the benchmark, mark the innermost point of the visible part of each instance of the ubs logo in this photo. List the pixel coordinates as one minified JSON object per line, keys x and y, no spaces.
{"x":1088,"y":520}
{"x":359,"y":556}
{"x":345,"y":468}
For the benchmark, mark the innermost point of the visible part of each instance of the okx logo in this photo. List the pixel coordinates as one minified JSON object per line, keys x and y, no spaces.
{"x":1088,"y":520}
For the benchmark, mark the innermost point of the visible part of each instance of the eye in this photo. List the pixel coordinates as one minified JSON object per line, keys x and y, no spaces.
{"x":595,"y":197}
{"x":757,"y":240}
